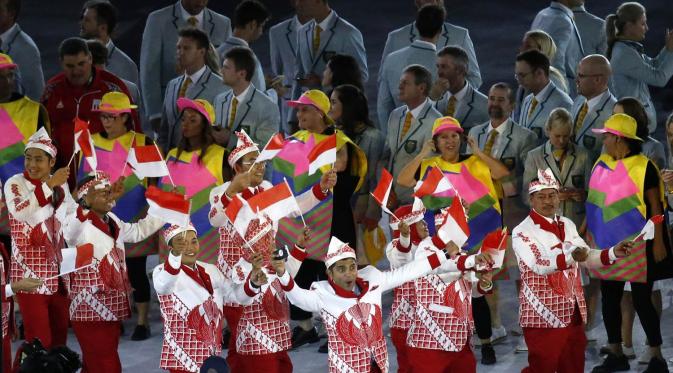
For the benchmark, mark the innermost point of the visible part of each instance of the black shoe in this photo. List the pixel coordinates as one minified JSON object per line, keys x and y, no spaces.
{"x":612,"y":363}
{"x":656,"y":365}
{"x":487,"y":354}
{"x":141,"y":333}
{"x":323,"y":348}
{"x":301,"y":337}
{"x":226,"y":335}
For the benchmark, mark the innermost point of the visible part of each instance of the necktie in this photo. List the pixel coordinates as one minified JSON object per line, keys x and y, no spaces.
{"x":579,"y":121}
{"x":407,"y":124}
{"x":488,"y":148}
{"x":316,"y":39}
{"x":533,"y":105}
{"x":232,"y":112}
{"x":451,"y":106}
{"x":559,"y":157}
{"x":192,"y":21}
{"x":183,"y":88}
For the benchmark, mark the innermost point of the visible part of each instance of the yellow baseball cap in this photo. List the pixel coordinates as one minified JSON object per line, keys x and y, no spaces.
{"x":115,"y":103}
{"x":315,"y":98}
{"x":621,"y":125}
{"x":202,"y":106}
{"x":6,"y":62}
{"x":446,"y":124}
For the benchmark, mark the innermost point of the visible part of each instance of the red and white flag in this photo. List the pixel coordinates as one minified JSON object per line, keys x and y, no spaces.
{"x":146,"y":161}
{"x":323,"y":154}
{"x":239,"y":213}
{"x":454,"y":224}
{"x":382,"y":192}
{"x":272,"y":148}
{"x":277,"y":202}
{"x":494,"y":244}
{"x":171,"y":207}
{"x":647,"y":233}
{"x":84,"y":143}
{"x":76,"y":258}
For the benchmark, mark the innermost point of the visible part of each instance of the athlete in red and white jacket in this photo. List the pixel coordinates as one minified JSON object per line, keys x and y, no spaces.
{"x":99,"y":293}
{"x":552,"y":309}
{"x":191,"y":294}
{"x":350,"y":303}
{"x":38,"y":203}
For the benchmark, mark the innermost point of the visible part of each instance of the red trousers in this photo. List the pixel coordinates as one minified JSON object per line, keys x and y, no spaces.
{"x":269,"y":363}
{"x":99,"y":341}
{"x":422,"y":360}
{"x":7,"y":354}
{"x":556,"y":349}
{"x":45,"y":317}
{"x":232,"y":315}
{"x":399,"y":337}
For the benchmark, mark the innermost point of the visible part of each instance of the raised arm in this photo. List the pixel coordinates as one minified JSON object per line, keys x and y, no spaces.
{"x":308,"y":300}
{"x":407,"y":176}
{"x":136,"y":232}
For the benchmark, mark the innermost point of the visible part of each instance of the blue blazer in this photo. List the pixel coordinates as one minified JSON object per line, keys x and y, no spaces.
{"x":283,"y":54}
{"x":536,"y":121}
{"x":120,"y":64}
{"x":471,"y":111}
{"x":592,"y":31}
{"x":595,"y":118}
{"x":450,"y":35}
{"x":24,"y":52}
{"x":157,"y":51}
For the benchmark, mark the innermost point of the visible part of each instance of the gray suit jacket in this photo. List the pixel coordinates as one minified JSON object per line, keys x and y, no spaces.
{"x":450,"y":35}
{"x":633,"y":72}
{"x":592,"y":31}
{"x":389,"y":79}
{"x":399,"y":152}
{"x":470,"y":111}
{"x":257,"y":114}
{"x":575,"y":174}
{"x":283,"y":53}
{"x":25,"y":53}
{"x":157,"y":52}
{"x":135,"y":97}
{"x":258,"y":76}
{"x":511,"y":149}
{"x":595,"y":118}
{"x":121,"y":65}
{"x":654,"y":150}
{"x":207,"y":87}
{"x":552,"y":99}
{"x":557,"y":21}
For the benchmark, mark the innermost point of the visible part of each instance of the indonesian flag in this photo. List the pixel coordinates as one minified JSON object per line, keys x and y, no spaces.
{"x":382,"y":192}
{"x":272,"y":148}
{"x":76,"y":258}
{"x":436,"y":191}
{"x":324,"y":153}
{"x":277,"y":202}
{"x":454,"y":224}
{"x":146,"y":161}
{"x":84,"y":143}
{"x":494,"y":244}
{"x":239,"y":213}
{"x":171,"y":207}
{"x":647,"y":233}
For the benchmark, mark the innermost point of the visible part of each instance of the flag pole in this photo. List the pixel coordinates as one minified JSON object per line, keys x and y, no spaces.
{"x":127,"y":153}
{"x":61,"y":274}
{"x":71,"y":158}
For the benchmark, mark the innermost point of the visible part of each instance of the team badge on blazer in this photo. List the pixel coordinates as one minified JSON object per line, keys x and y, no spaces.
{"x":410,"y":146}
{"x":588,"y":141}
{"x":509,"y":162}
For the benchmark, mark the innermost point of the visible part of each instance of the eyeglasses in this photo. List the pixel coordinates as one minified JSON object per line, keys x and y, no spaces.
{"x":106,"y":116}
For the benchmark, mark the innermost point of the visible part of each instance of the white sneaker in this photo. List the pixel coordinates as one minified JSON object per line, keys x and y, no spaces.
{"x":522,"y":346}
{"x":630,"y":353}
{"x":498,"y":334}
{"x":645,"y":357}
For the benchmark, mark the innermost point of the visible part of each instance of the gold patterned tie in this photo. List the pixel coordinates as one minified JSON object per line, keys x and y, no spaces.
{"x":533,"y":105}
{"x":407,"y":125}
{"x":183,"y":88}
{"x":488,"y":148}
{"x":192,"y":21}
{"x":232,"y":112}
{"x":579,"y":121}
{"x":451,"y":106}
{"x":316,"y":39}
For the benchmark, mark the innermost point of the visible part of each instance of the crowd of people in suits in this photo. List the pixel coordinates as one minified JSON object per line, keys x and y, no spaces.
{"x":567,"y":157}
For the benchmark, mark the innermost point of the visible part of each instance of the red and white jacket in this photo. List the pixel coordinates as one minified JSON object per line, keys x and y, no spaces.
{"x":101,"y":291}
{"x":264,"y":326}
{"x":443,"y":303}
{"x":550,"y":278}
{"x":353,"y":320}
{"x":191,"y":302}
{"x":230,"y":240}
{"x":399,"y":252}
{"x":36,"y":216}
{"x":5,"y":295}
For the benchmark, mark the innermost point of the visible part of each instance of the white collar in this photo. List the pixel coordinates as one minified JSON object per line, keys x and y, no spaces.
{"x":325,"y":22}
{"x":417,"y":110}
{"x":425,"y":44}
{"x":243,"y":94}
{"x":500,"y":129}
{"x":185,"y":16}
{"x":197,"y":75}
{"x":594,"y":101}
{"x":109,"y":44}
{"x":550,"y":220}
{"x":544,"y":91}
{"x":5,"y":35}
{"x":239,"y":40}
{"x":298,"y":24}
{"x":460,"y":95}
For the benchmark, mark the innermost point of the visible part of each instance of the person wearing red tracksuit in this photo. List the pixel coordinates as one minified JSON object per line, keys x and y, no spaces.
{"x":76,"y":93}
